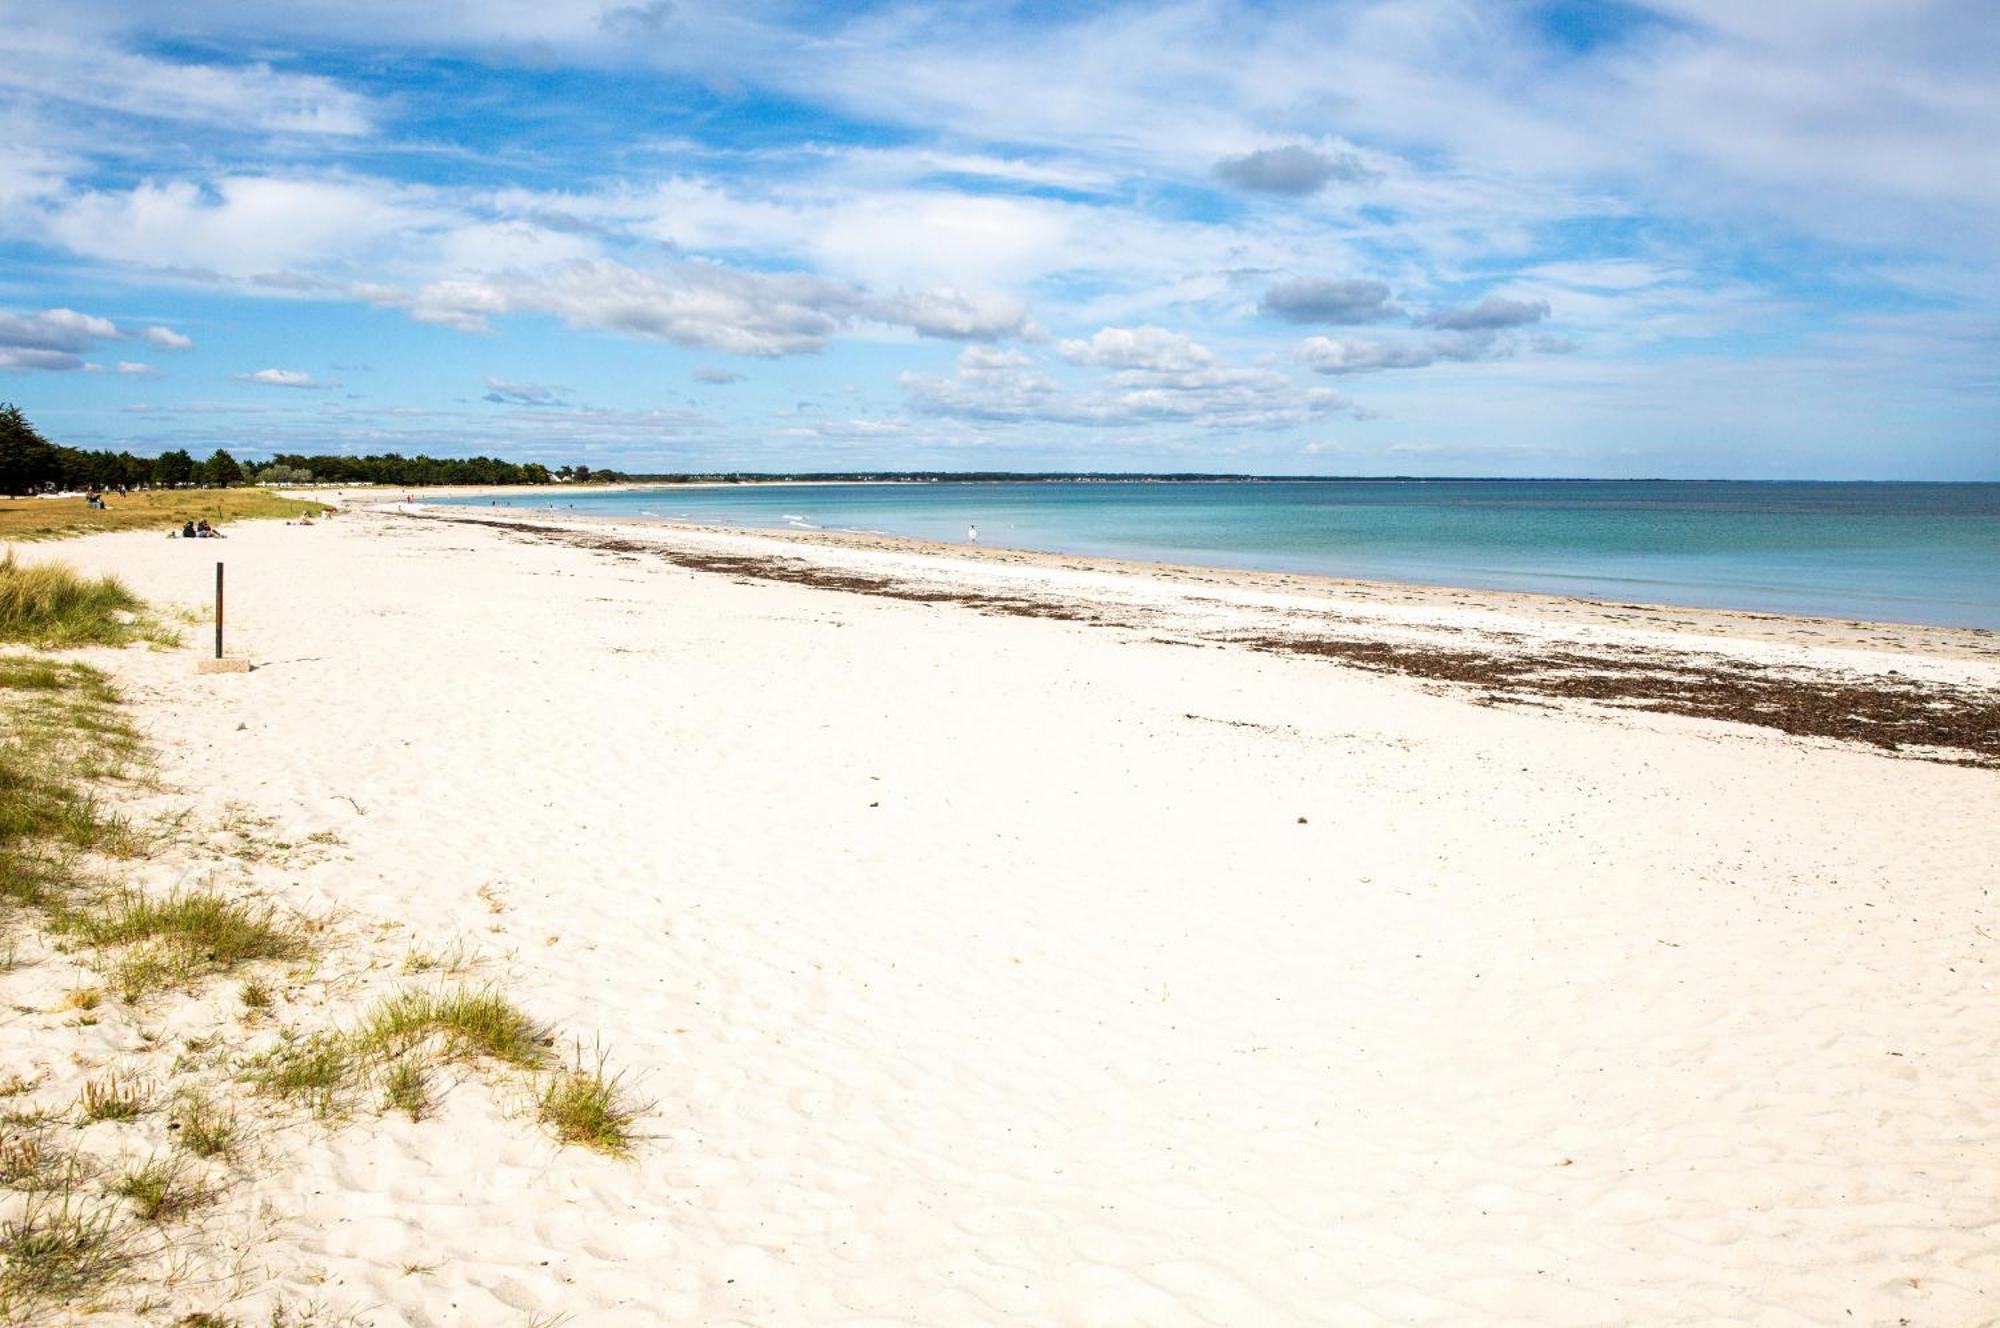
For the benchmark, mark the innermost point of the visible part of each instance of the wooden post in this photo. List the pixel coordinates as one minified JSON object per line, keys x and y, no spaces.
{"x":219,"y":664}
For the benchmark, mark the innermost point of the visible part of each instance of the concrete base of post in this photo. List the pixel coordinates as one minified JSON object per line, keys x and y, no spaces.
{"x":222,"y":666}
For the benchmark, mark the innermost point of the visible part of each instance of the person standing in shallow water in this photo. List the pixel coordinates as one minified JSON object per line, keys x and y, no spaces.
{"x":972,"y":534}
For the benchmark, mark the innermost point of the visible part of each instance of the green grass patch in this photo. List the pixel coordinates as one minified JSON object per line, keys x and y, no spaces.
{"x":163,"y":509}
{"x":163,"y":1189}
{"x":29,"y":1161}
{"x":224,"y":932}
{"x":56,"y":1252}
{"x":581,"y":1104}
{"x":470,"y":1023}
{"x":406,"y":1087}
{"x":171,"y":940}
{"x":316,"y":1072}
{"x":54,"y":606}
{"x":203,"y":1127}
{"x":60,"y":732}
{"x":115,"y":1097}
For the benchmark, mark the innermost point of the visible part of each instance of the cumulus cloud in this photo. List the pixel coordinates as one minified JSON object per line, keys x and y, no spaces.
{"x":22,"y":358}
{"x":55,"y":329}
{"x":1153,"y":377}
{"x":1340,"y":356}
{"x":1143,"y":348}
{"x":1491,"y":314}
{"x":53,"y":340}
{"x":167,"y":339}
{"x":953,"y":315}
{"x":283,"y":378}
{"x":523,"y":394}
{"x":1290,"y":171}
{"x":703,"y":305}
{"x":991,"y":364}
{"x":268,"y":230}
{"x":1317,"y":300}
{"x":716,"y":375}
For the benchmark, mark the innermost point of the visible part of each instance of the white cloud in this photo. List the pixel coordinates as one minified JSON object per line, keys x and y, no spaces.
{"x":1318,"y":300}
{"x":1149,"y":348}
{"x":953,"y":314}
{"x":21,"y":358}
{"x":1329,"y":355}
{"x":240,"y":226}
{"x":1154,"y":377}
{"x":523,"y":394}
{"x":91,"y":72}
{"x":1490,"y":314}
{"x":283,"y":378}
{"x":53,"y":340}
{"x":55,"y":329}
{"x":168,"y":339}
{"x":704,"y":305}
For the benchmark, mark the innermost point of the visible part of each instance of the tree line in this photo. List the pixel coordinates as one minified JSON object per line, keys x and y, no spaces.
{"x":30,"y":463}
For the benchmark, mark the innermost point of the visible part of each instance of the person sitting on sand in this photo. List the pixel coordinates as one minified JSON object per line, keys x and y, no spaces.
{"x":203,"y":530}
{"x":187,"y":531}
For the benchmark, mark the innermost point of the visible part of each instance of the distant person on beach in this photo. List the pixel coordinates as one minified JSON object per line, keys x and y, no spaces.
{"x":972,"y":534}
{"x":186,"y":531}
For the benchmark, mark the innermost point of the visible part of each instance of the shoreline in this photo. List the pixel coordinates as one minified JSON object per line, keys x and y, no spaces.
{"x":1888,"y":692}
{"x":867,"y":538}
{"x":1968,"y":642}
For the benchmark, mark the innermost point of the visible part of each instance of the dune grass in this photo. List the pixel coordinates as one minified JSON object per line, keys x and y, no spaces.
{"x":316,"y":1072}
{"x":162,"y":509}
{"x":31,"y":1161}
{"x":115,"y":1097}
{"x":215,"y":932}
{"x":204,"y":1127}
{"x":53,"y":606}
{"x":581,"y":1104}
{"x":58,"y":1251}
{"x":166,"y":941}
{"x":405,"y":1034}
{"x":406,"y":1087}
{"x":162,"y":1189}
{"x":60,"y":732}
{"x":470,"y":1022}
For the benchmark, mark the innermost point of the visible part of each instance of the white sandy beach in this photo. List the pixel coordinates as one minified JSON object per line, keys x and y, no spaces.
{"x":1006,"y":970}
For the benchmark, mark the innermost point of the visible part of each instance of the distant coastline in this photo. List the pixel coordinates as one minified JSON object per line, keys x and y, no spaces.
{"x":1190,"y":477}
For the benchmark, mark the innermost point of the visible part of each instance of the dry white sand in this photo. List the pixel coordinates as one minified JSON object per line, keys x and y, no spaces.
{"x":998,"y":970}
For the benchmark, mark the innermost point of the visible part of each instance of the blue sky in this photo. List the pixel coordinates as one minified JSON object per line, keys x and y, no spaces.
{"x":1689,"y":238}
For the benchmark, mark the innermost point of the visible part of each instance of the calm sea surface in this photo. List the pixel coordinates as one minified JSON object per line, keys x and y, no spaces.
{"x":1924,"y":553}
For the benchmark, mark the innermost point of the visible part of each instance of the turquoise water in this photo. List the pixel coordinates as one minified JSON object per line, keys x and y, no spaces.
{"x":1924,"y":553}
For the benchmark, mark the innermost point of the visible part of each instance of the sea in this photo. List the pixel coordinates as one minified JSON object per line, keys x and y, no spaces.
{"x":1910,"y":553}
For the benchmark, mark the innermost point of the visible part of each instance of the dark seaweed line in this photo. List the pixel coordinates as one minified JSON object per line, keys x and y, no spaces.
{"x":1935,"y":722}
{"x":1958,"y":726}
